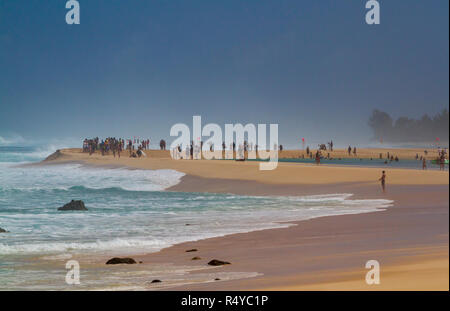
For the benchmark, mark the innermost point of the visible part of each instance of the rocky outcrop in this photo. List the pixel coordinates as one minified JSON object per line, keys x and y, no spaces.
{"x":216,"y":262}
{"x":3,"y":230}
{"x":117,"y":260}
{"x":156,"y":281}
{"x":191,"y":250}
{"x":196,"y":258}
{"x":73,"y":206}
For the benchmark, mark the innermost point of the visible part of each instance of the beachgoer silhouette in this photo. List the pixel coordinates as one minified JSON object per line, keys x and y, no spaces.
{"x":383,"y":181}
{"x":442,"y":162}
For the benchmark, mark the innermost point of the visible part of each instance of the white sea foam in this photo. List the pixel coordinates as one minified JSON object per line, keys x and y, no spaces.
{"x":153,"y":230}
{"x":58,"y":247}
{"x":64,"y":177}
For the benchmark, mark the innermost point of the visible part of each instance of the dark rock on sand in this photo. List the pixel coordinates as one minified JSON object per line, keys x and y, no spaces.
{"x":156,"y":281}
{"x":73,"y":206}
{"x":196,"y":258}
{"x":141,"y":262}
{"x":117,"y":260}
{"x":3,"y":230}
{"x":216,"y":279}
{"x":216,"y":262}
{"x":191,"y":250}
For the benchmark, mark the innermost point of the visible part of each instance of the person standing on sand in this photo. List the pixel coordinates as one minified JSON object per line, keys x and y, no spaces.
{"x":383,"y":181}
{"x":424,"y":164}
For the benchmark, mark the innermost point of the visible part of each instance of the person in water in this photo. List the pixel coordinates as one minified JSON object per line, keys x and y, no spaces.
{"x":383,"y":181}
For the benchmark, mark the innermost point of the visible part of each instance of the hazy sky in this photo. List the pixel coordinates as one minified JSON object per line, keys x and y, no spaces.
{"x":135,"y":68}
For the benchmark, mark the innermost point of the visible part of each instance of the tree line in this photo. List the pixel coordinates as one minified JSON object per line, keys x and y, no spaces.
{"x":404,"y":129}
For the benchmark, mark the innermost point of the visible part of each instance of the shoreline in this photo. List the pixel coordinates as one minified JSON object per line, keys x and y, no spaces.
{"x":410,"y":252}
{"x":417,"y":235}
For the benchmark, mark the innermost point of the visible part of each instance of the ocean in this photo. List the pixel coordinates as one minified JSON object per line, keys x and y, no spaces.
{"x":129,"y":212}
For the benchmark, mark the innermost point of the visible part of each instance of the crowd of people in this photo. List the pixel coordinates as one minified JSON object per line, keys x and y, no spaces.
{"x":194,"y":150}
{"x":136,"y":146}
{"x":440,"y":160}
{"x":116,"y":146}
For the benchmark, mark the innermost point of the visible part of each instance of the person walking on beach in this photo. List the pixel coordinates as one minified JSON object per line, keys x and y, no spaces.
{"x":383,"y":181}
{"x":424,"y":164}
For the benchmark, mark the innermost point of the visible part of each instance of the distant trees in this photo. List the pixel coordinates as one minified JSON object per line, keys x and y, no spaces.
{"x":404,"y":129}
{"x":381,"y":124}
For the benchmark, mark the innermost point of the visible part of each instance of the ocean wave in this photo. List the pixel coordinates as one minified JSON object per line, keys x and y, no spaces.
{"x":76,"y":176}
{"x":26,"y":154}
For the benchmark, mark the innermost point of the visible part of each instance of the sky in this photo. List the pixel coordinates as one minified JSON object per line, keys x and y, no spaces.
{"x":135,"y":68}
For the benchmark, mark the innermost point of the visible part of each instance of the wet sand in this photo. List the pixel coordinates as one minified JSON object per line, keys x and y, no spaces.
{"x":330,"y":253}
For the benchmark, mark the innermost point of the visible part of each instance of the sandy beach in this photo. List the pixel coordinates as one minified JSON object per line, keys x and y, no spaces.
{"x":410,"y":240}
{"x":180,"y":146}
